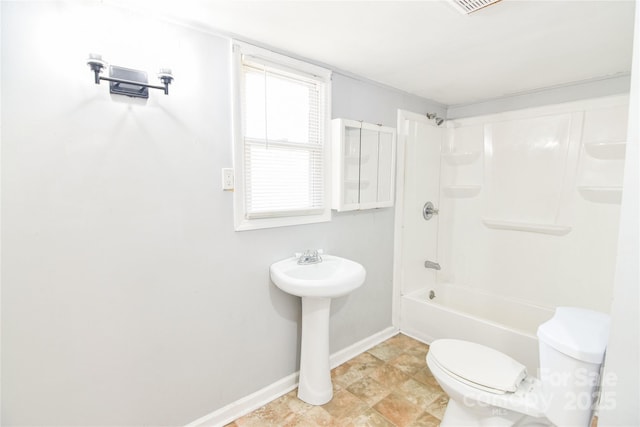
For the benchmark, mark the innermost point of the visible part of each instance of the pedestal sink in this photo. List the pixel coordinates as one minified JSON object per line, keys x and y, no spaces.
{"x":316,"y":284}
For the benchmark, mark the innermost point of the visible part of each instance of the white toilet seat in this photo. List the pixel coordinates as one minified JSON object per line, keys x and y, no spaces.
{"x":465,"y":381}
{"x":527,"y":398}
{"x":478,"y":366}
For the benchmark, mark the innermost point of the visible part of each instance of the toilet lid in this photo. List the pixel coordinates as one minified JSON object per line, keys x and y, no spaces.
{"x":478,"y":365}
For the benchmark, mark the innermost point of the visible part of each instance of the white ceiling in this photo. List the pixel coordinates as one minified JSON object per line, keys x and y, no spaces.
{"x":428,"y":48}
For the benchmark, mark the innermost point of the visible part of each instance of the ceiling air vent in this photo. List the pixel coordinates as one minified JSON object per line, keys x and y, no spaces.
{"x":469,"y":6}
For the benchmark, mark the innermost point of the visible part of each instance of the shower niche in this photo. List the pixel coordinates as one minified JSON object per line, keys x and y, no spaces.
{"x":602,"y":161}
{"x":461,"y":165}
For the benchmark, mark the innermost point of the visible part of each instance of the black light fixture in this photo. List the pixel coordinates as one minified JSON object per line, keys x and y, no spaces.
{"x":126,"y":81}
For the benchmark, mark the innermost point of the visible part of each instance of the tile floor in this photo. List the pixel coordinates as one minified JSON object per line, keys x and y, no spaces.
{"x":388,"y":385}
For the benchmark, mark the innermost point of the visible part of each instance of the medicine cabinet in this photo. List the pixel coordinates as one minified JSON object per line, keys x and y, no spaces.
{"x":363,"y":165}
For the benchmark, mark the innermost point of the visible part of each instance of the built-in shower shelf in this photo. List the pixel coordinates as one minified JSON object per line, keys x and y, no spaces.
{"x":556,"y":230}
{"x":599,"y":194}
{"x":457,"y":158}
{"x":461,"y":191}
{"x":606,"y":150}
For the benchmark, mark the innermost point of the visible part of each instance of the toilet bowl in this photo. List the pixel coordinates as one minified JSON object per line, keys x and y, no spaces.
{"x":489,"y":388}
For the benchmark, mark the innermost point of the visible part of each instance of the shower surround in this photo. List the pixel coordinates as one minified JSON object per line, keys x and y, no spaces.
{"x":528,"y":202}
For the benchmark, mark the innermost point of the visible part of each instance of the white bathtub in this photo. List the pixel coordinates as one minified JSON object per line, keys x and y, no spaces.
{"x":460,"y":312}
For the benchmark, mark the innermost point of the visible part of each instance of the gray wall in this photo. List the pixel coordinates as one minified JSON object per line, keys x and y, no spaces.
{"x":127,"y":298}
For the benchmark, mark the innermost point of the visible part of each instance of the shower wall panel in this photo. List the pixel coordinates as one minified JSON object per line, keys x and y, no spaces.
{"x":530,"y":203}
{"x":421,"y":184}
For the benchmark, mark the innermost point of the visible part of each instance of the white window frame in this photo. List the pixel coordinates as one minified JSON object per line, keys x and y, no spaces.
{"x":241,"y":221}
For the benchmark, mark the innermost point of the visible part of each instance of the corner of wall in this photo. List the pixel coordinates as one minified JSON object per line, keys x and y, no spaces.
{"x":594,"y":88}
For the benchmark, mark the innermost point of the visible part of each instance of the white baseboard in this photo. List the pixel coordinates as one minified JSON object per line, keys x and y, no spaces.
{"x":261,"y":397}
{"x":419,"y":336}
{"x":247,"y":404}
{"x":339,"y":357}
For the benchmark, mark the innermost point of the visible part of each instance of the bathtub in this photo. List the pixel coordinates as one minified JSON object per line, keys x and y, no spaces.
{"x":508,"y":325}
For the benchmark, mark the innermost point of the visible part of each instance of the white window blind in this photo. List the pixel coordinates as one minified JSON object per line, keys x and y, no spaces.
{"x":283,"y":132}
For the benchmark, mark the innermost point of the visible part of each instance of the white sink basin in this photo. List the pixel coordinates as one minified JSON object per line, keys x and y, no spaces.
{"x":316,"y":284}
{"x":331,"y":278}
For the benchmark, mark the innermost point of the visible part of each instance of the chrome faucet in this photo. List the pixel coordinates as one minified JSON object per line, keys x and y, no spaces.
{"x":310,"y":256}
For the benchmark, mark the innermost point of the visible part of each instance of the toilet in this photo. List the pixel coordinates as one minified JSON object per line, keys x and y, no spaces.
{"x":488,"y":388}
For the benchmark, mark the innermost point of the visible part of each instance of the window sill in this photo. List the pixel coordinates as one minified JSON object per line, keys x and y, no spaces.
{"x":258,"y":224}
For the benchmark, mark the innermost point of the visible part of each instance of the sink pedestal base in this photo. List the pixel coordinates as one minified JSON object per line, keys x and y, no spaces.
{"x":315,"y":375}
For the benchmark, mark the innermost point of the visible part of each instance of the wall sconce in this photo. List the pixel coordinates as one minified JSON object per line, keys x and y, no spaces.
{"x":125,"y":81}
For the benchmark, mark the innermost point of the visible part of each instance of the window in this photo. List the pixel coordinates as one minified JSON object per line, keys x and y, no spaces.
{"x":280,"y":145}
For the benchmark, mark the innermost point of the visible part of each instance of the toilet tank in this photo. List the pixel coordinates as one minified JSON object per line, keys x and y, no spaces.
{"x":572,"y":345}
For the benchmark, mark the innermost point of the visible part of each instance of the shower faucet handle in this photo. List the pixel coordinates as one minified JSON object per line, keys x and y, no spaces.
{"x":431,"y":264}
{"x":428,"y":210}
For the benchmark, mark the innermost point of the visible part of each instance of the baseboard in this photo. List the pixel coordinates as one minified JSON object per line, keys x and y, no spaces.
{"x":419,"y":336}
{"x":261,"y":397}
{"x":339,"y":357}
{"x":247,"y":404}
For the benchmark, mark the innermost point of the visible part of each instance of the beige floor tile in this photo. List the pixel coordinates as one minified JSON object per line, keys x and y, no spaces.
{"x":267,"y":416}
{"x":366,"y":363}
{"x":403,"y":341}
{"x":346,"y":374}
{"x":425,"y":376}
{"x":386,"y":351}
{"x":398,"y":410}
{"x":389,"y":376}
{"x":291,"y":401}
{"x":370,"y":418}
{"x":388,"y":386}
{"x":425,"y":420}
{"x":408,"y":363}
{"x":298,"y":420}
{"x":420,"y":351}
{"x":419,"y":394}
{"x":340,"y":369}
{"x":344,"y":404}
{"x":438,"y":406}
{"x":368,"y":390}
{"x":315,"y":417}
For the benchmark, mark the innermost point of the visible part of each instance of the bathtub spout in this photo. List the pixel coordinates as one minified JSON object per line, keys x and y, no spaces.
{"x":431,"y":264}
